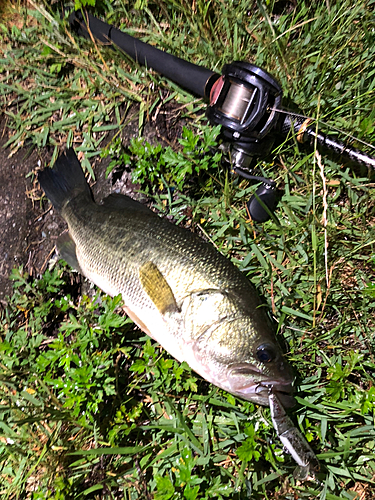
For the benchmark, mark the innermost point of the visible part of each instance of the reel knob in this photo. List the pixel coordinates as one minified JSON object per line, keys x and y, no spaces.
{"x":265,"y":197}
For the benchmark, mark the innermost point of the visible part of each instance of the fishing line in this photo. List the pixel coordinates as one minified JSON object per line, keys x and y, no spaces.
{"x":328,"y":125}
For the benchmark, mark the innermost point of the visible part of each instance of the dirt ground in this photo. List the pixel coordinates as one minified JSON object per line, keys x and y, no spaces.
{"x":22,"y":221}
{"x":29,"y":226}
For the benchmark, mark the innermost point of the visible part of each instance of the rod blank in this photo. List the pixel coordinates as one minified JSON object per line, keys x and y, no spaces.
{"x":188,"y":75}
{"x":325,"y":143}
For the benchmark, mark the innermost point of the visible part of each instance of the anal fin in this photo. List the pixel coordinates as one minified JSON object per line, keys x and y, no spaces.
{"x":67,"y":250}
{"x":137,"y":321}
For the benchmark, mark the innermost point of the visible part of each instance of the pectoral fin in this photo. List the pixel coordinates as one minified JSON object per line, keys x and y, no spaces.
{"x":157,"y":288}
{"x":67,"y":250}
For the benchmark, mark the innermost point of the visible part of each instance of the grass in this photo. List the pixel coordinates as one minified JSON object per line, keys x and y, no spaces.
{"x":89,"y":406}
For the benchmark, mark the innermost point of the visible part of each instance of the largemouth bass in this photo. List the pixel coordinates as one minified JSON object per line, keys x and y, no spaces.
{"x":177,"y":288}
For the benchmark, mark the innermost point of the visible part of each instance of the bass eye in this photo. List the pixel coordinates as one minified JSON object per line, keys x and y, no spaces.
{"x":265,"y":353}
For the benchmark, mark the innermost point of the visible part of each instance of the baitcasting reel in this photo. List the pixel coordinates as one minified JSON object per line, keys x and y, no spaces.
{"x":245,"y":100}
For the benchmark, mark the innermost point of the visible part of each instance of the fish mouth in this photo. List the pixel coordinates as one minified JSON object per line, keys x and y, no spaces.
{"x":283,"y":391}
{"x":259,"y":392}
{"x":248,"y":382}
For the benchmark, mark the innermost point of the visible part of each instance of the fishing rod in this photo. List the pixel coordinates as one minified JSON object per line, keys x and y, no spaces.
{"x":245,"y":100}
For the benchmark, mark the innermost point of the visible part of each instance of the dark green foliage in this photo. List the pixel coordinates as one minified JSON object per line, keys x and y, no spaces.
{"x":155,"y":167}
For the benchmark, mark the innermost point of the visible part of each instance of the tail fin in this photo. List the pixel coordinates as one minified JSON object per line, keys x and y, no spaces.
{"x":64,"y":181}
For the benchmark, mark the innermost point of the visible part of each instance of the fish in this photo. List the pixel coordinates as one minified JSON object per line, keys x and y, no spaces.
{"x":176,"y":287}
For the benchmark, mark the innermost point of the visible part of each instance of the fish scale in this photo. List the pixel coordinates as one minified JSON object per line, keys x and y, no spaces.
{"x":177,"y":256}
{"x":177,"y":288}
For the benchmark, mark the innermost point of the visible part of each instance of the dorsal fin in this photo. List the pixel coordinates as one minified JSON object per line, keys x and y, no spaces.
{"x":122,"y":202}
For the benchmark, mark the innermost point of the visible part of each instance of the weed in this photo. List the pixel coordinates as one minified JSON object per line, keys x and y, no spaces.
{"x":91,"y":408}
